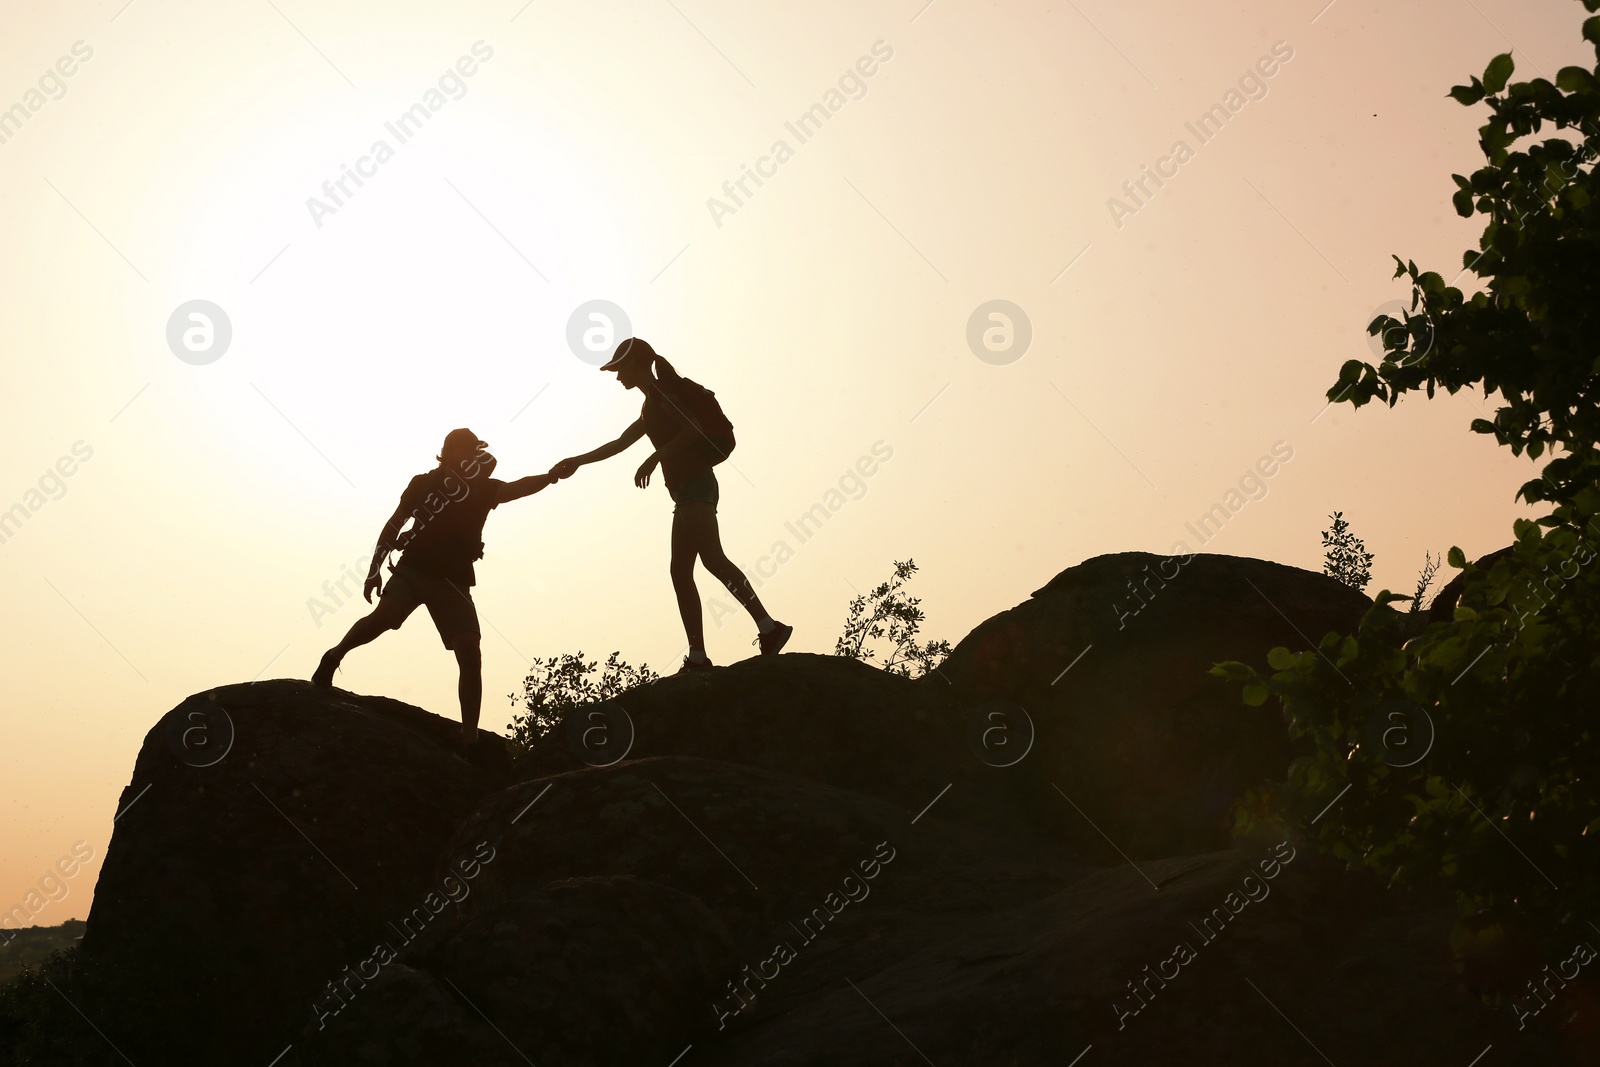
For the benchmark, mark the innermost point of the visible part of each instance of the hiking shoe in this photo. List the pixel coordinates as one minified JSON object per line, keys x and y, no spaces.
{"x":691,"y":667}
{"x":322,"y":678}
{"x":773,"y":641}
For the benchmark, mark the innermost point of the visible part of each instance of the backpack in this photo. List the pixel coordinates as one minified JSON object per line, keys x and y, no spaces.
{"x":700,"y":406}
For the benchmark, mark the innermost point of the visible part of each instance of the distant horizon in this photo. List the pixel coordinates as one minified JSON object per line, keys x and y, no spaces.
{"x":47,"y":926}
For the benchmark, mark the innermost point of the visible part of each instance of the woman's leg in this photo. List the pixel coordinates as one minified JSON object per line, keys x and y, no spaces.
{"x":708,"y":541}
{"x":686,"y":522}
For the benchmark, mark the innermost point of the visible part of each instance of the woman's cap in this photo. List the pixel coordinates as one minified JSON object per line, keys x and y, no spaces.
{"x":630,"y":350}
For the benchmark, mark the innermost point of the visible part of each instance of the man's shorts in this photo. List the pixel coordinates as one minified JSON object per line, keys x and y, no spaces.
{"x":451,"y":606}
{"x":701,"y":489}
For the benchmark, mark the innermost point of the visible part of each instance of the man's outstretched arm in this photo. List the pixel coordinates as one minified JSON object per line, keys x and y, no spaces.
{"x":525,"y":486}
{"x":567,"y":467}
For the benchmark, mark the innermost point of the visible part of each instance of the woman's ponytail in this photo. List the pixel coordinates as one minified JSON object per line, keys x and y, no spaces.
{"x":665,"y":372}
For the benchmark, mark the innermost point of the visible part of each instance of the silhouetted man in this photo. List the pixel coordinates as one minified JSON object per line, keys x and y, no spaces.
{"x":446,"y":507}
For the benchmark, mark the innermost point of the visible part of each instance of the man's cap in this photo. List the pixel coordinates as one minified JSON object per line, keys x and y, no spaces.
{"x":630,"y":350}
{"x":462,"y":439}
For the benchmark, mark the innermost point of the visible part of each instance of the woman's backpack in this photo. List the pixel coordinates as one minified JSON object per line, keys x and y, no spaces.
{"x":699,"y":405}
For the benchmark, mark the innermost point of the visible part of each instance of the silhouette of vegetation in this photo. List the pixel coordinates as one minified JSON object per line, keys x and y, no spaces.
{"x":35,"y":944}
{"x":889,"y":615}
{"x":1425,"y":577}
{"x":556,"y":685}
{"x":37,"y":1025}
{"x":1344,"y":555}
{"x":1468,"y":752}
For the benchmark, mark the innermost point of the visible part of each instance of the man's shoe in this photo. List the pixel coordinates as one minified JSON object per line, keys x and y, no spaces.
{"x":772,"y":641}
{"x":323,"y":676}
{"x":692,"y":666}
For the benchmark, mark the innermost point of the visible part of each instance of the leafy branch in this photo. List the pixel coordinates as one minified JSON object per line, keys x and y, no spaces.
{"x":888,"y":614}
{"x":556,"y":685}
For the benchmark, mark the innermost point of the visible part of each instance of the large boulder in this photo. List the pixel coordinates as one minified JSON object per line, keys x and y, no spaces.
{"x":618,"y":907}
{"x":270,"y":832}
{"x":1133,"y":741}
{"x":760,"y":849}
{"x":825,"y":718}
{"x":1189,"y":960}
{"x":593,"y":970}
{"x":403,"y":1018}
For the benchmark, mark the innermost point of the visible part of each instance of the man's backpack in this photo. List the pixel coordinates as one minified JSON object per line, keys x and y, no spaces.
{"x":699,"y":405}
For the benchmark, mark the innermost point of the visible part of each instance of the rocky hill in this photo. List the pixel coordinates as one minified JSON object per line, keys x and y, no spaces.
{"x":1022,"y":858}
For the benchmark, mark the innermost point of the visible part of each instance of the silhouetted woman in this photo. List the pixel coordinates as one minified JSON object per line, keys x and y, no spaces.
{"x":690,"y":435}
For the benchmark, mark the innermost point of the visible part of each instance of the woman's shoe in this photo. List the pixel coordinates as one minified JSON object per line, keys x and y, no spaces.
{"x":692,"y":666}
{"x":773,"y":640}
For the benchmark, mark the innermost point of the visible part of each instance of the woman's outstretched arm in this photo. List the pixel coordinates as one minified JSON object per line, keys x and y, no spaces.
{"x":567,"y":467}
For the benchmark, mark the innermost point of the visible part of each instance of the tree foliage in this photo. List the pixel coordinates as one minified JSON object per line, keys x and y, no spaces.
{"x":889,"y":615}
{"x":1464,"y":758}
{"x":1528,"y":334}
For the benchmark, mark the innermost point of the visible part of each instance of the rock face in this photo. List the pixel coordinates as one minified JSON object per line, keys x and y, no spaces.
{"x":270,"y":832}
{"x":1109,"y":661}
{"x":406,"y":1016}
{"x":612,"y":968}
{"x":789,"y":861}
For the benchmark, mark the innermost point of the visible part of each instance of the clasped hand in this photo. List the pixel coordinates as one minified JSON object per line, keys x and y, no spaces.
{"x":568,"y":467}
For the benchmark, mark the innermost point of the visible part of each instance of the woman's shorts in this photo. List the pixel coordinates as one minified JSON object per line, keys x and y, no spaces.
{"x":701,"y":489}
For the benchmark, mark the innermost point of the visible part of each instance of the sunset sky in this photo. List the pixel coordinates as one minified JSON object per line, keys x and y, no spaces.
{"x":179,"y":517}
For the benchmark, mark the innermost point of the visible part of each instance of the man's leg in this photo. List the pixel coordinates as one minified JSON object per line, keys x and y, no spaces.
{"x":386,"y":616}
{"x":365,"y":631}
{"x":456,"y":618}
{"x":470,"y":689}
